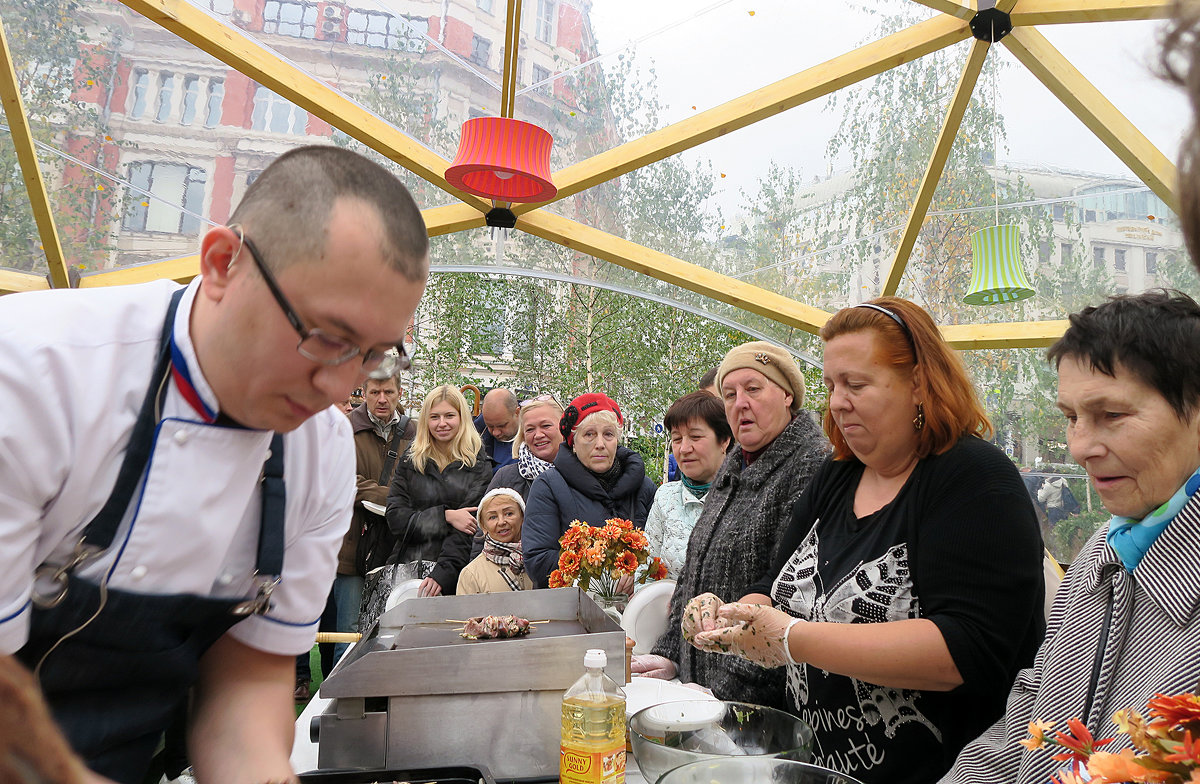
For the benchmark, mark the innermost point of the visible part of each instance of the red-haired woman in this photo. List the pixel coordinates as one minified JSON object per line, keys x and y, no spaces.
{"x":907,"y":592}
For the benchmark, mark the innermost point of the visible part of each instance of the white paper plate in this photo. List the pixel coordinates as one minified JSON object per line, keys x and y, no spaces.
{"x":402,"y":591}
{"x":371,"y":506}
{"x":645,"y":617}
{"x":644,"y":692}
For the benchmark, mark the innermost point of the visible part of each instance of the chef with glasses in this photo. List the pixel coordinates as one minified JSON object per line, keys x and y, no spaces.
{"x":175,"y":480}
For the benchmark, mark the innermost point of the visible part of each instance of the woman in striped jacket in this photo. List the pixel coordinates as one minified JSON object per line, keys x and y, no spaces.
{"x":1126,"y":621}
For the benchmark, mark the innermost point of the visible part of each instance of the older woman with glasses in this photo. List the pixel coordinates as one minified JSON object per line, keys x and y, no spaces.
{"x":593,"y":479}
{"x":907,"y":591}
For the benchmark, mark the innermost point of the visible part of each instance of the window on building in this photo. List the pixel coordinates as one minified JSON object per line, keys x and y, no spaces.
{"x":1151,"y":263}
{"x":162,"y":102}
{"x":1098,"y":257}
{"x":141,"y":84}
{"x":212,"y":103}
{"x":287,"y":17}
{"x":484,"y":5}
{"x":177,"y":189}
{"x":543,"y":24}
{"x":541,"y":74}
{"x":1058,"y":213}
{"x":1119,"y":260}
{"x":1043,"y":252}
{"x":274,"y":113}
{"x":191,"y":94}
{"x":1064,"y":251}
{"x":1089,"y":216}
{"x":378,"y":29}
{"x":481,"y":50}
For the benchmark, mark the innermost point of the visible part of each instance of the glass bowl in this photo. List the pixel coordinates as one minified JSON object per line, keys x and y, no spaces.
{"x":671,"y":734}
{"x":753,"y":770}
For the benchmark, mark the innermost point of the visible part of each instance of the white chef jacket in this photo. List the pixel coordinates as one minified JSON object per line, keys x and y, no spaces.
{"x":74,"y":368}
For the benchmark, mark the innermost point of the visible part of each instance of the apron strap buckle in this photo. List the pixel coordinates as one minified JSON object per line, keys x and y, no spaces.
{"x":261,"y":603}
{"x":56,"y":576}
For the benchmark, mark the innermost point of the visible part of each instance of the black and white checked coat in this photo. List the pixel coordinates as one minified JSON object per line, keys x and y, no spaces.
{"x":1152,"y":647}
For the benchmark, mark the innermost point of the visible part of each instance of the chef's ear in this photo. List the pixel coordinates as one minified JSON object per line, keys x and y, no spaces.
{"x":219,"y":250}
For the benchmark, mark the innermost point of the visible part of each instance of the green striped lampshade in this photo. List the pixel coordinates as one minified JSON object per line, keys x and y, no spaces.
{"x":998,"y":275}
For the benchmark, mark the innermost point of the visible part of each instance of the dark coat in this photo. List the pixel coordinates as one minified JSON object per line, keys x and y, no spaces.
{"x":569,"y":492}
{"x":416,"y":513}
{"x":733,"y":545}
{"x":370,"y":452}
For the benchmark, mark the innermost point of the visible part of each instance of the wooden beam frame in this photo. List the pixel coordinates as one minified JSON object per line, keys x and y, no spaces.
{"x":1016,"y":334}
{"x":512,"y":46}
{"x":31,"y":172}
{"x":1034,"y":12}
{"x":1096,"y":112}
{"x":820,"y":80}
{"x":669,"y":269}
{"x":951,"y":7}
{"x":181,"y":270}
{"x":306,"y":91}
{"x":12,"y":281}
{"x":937,"y":162}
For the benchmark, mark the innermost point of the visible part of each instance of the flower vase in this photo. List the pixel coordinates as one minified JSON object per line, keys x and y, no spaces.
{"x":609,"y":598}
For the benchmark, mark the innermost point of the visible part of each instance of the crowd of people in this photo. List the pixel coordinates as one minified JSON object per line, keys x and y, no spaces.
{"x":877,"y":573}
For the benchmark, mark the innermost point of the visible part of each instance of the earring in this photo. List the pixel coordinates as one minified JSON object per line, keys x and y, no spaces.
{"x":919,"y":419}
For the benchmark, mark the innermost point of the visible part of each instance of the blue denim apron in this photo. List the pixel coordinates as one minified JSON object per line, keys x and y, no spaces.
{"x":113,"y":664}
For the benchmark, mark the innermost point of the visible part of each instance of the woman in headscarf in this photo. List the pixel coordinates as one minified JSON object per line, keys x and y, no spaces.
{"x":501,"y":565}
{"x":431,"y":503}
{"x":593,"y":479}
{"x":779,"y":447}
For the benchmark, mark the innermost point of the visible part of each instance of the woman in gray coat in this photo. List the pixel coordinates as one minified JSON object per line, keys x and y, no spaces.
{"x":780,"y":446}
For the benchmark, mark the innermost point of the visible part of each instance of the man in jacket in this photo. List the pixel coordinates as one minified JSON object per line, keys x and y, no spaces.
{"x":382,"y":433}
{"x":497,"y":426}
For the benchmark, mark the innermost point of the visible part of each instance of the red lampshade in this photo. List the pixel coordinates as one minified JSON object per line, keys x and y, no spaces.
{"x":503,"y":159}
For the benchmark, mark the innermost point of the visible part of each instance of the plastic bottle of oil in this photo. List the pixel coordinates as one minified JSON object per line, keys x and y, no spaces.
{"x":593,"y":727}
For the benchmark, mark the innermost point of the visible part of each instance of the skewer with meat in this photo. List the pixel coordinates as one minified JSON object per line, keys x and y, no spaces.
{"x":494,"y":627}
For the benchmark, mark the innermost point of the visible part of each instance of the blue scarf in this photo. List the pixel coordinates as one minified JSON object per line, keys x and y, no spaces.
{"x":1132,"y":538}
{"x":695,"y":488}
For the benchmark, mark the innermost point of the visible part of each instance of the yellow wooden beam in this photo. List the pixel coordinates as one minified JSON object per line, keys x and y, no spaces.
{"x":1016,"y":334}
{"x":12,"y":281}
{"x":937,"y":162}
{"x":820,"y":80}
{"x":31,"y":172}
{"x":1096,"y":112}
{"x":451,"y":218}
{"x":438,"y":220}
{"x":1033,"y":12}
{"x":180,"y":270}
{"x":512,"y":46}
{"x":949,"y":7}
{"x":1006,"y":6}
{"x":692,"y":277}
{"x":306,"y":91}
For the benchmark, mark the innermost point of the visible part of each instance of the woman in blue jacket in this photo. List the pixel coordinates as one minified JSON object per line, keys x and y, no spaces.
{"x":593,"y":479}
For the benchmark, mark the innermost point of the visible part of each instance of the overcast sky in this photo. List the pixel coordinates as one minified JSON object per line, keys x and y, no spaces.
{"x":713,"y":50}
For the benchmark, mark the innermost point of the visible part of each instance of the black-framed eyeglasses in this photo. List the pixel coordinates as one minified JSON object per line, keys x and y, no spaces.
{"x":317,"y":344}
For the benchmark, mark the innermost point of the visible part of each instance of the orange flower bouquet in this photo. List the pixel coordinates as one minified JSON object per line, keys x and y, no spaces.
{"x":1166,"y":745}
{"x":595,"y":558}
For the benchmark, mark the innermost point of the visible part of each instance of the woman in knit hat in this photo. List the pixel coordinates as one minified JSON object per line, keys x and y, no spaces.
{"x":501,"y":565}
{"x":593,"y":479}
{"x":746,"y":510}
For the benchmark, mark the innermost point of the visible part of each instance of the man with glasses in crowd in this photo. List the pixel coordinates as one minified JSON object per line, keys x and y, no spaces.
{"x":177,"y":484}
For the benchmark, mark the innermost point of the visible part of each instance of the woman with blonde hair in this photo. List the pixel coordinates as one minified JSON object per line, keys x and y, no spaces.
{"x":431,"y":504}
{"x":534,"y":447}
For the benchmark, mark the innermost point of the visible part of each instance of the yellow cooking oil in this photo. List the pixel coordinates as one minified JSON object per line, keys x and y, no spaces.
{"x":593,"y":727}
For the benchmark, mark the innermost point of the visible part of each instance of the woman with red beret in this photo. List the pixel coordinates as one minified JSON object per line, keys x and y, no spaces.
{"x":593,"y":479}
